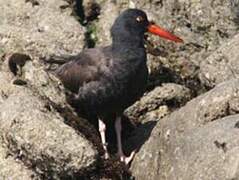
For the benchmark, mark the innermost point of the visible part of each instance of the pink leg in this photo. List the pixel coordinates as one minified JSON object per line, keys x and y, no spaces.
{"x":102,"y":129}
{"x":118,"y":129}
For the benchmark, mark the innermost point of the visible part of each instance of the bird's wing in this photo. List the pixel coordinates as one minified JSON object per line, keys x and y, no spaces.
{"x":88,"y":66}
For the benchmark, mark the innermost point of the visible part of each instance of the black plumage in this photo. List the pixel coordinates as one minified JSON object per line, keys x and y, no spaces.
{"x":107,"y":80}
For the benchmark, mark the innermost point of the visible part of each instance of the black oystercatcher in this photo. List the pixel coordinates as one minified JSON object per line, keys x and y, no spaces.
{"x":107,"y":80}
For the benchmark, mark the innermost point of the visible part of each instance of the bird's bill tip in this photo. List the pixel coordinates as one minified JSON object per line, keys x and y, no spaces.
{"x":154,"y":29}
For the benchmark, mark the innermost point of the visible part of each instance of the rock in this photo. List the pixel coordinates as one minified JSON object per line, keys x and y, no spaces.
{"x":203,"y":25}
{"x":205,"y":152}
{"x":35,"y":133}
{"x":152,"y":107}
{"x":34,"y":124}
{"x":38,"y":127}
{"x":8,"y":163}
{"x":43,"y":82}
{"x":158,"y":102}
{"x":39,"y":30}
{"x":221,"y":65}
{"x":185,"y":143}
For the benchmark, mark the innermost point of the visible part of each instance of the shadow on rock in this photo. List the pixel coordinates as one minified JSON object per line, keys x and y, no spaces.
{"x":139,"y":136}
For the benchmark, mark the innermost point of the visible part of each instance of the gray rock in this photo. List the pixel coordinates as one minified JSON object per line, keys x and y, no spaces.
{"x":189,"y":143}
{"x":39,"y":30}
{"x":32,"y":129}
{"x":38,"y":135}
{"x":203,"y":25}
{"x":221,"y":65}
{"x":152,"y":107}
{"x":44,"y":83}
{"x":159,"y":102}
{"x":208,"y":152}
{"x":11,"y":168}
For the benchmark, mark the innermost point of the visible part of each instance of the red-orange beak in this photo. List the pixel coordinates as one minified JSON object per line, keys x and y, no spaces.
{"x":154,"y":29}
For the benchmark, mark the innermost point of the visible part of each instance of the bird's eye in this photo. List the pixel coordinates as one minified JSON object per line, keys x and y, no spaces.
{"x":139,"y":19}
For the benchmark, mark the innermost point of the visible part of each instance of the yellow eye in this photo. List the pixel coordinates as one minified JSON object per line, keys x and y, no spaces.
{"x":140,"y":19}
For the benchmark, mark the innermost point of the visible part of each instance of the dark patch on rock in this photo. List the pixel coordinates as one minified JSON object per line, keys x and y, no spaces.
{"x":141,"y":134}
{"x":33,"y":2}
{"x":222,"y":145}
{"x":91,"y":10}
{"x":16,"y":61}
{"x":84,"y":11}
{"x":19,"y":82}
{"x":237,"y":125}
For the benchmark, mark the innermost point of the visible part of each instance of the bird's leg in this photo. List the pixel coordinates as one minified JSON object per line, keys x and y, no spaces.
{"x":118,"y":129}
{"x":102,"y":129}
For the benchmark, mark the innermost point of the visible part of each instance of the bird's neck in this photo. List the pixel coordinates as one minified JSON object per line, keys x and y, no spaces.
{"x":130,"y":48}
{"x":128,"y":41}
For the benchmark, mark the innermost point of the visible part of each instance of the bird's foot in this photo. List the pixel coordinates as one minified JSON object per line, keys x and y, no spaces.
{"x":125,"y":159}
{"x":106,"y":155}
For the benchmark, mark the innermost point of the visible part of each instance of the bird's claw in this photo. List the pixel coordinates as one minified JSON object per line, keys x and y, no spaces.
{"x":106,"y":155}
{"x":126,"y":160}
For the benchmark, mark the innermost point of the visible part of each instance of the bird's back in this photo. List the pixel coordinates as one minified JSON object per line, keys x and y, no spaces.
{"x":104,"y":83}
{"x":88,"y":66}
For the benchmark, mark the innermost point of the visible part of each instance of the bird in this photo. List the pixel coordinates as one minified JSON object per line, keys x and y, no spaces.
{"x":107,"y":80}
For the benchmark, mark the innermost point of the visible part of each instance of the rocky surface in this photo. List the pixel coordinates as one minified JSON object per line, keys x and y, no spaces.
{"x":158,"y":102}
{"x":35,"y":133}
{"x":221,"y":65}
{"x":182,"y":131}
{"x":39,"y":29}
{"x":195,"y":141}
{"x":34,"y":136}
{"x":8,"y":163}
{"x":40,"y":137}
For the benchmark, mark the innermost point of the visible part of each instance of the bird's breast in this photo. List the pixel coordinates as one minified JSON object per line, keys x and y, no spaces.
{"x":128,"y":84}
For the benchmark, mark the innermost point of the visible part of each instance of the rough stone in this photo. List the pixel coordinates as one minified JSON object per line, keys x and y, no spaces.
{"x":32,"y":129}
{"x":221,"y":65}
{"x":159,"y":102}
{"x":39,"y":30}
{"x":185,"y":143}
{"x":203,"y":25}
{"x":37,"y":134}
{"x":8,"y":163}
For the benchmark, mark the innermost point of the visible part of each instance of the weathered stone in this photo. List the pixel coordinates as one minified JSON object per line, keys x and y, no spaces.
{"x":158,"y":102}
{"x":39,"y":30}
{"x":11,"y":168}
{"x":184,"y":144}
{"x":34,"y":131}
{"x":221,"y":65}
{"x":203,"y":25}
{"x":37,"y":134}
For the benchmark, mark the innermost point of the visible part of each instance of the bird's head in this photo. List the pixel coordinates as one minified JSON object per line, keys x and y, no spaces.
{"x":133,"y":23}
